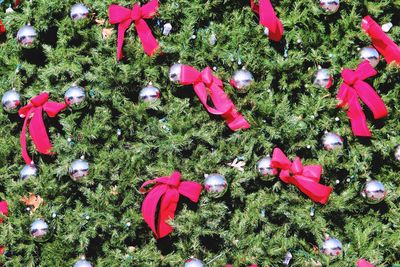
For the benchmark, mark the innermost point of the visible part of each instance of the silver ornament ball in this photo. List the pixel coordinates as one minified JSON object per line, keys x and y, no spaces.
{"x":39,"y":229}
{"x":75,"y":97}
{"x":374,"y":192}
{"x":175,"y":72}
{"x":332,"y":141}
{"x":11,"y":101}
{"x":79,"y":11}
{"x":370,"y":54}
{"x":242,"y":79}
{"x":149,"y":94}
{"x":79,"y":169}
{"x":332,"y":247}
{"x":323,"y":78}
{"x":397,"y":153}
{"x":264,"y":167}
{"x":28,"y":171}
{"x":26,"y":36}
{"x":216,"y":185}
{"x":330,"y":6}
{"x":193,"y":262}
{"x":83,"y":263}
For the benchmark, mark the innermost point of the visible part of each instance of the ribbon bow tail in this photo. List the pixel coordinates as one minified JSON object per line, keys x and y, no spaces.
{"x":355,"y":113}
{"x":149,"y":206}
{"x":38,"y":132}
{"x":383,"y":43}
{"x":269,"y":19}
{"x":314,"y":190}
{"x":169,"y":202}
{"x":149,"y":42}
{"x":371,"y":98}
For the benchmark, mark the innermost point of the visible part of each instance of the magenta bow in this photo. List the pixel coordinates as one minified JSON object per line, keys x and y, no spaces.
{"x":206,"y":84}
{"x":306,"y":178}
{"x":381,"y":41}
{"x":4,"y":211}
{"x":166,"y":191}
{"x":34,"y":117}
{"x":125,"y":17}
{"x":364,"y":263}
{"x":268,"y":19}
{"x":353,"y":87}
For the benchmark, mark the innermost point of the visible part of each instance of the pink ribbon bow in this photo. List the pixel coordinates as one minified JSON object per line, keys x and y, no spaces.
{"x":364,"y":263}
{"x":253,"y":265}
{"x":34,"y":117}
{"x":381,"y":40}
{"x":125,"y":17}
{"x":2,"y":28}
{"x":268,"y":19}
{"x":206,"y":84}
{"x":3,"y":210}
{"x":353,"y":87}
{"x":166,"y":191}
{"x":306,"y":178}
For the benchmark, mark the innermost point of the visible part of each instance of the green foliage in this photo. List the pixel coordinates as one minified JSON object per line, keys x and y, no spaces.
{"x":283,"y":107}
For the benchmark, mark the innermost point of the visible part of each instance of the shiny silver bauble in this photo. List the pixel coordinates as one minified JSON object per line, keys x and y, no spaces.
{"x":79,"y":169}
{"x":175,"y":72}
{"x":373,"y":192}
{"x":39,"y":229}
{"x":215,"y":185}
{"x":397,"y":153}
{"x":79,"y":11}
{"x":193,"y":262}
{"x":241,"y":80}
{"x":26,"y":36}
{"x":323,"y":78}
{"x":330,"y":6}
{"x":149,"y":94}
{"x":83,"y":263}
{"x":75,"y":97}
{"x":264,"y":167}
{"x":332,"y":141}
{"x":28,"y":171}
{"x":370,"y":54}
{"x":332,"y":247}
{"x":11,"y":101}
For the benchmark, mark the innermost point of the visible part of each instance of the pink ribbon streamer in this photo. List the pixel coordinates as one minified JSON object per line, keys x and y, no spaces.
{"x":34,"y":117}
{"x":353,"y":87}
{"x":4,"y":211}
{"x":268,"y":18}
{"x":306,"y":178}
{"x":381,"y":40}
{"x":364,"y":263}
{"x":166,"y":190}
{"x":206,"y":84}
{"x":125,"y":17}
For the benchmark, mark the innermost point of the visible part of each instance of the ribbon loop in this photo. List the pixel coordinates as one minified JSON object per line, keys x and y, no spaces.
{"x":305,"y":178}
{"x":206,"y":86}
{"x":268,"y":19}
{"x":34,"y":119}
{"x":125,"y":17}
{"x":166,"y":191}
{"x":355,"y":87}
